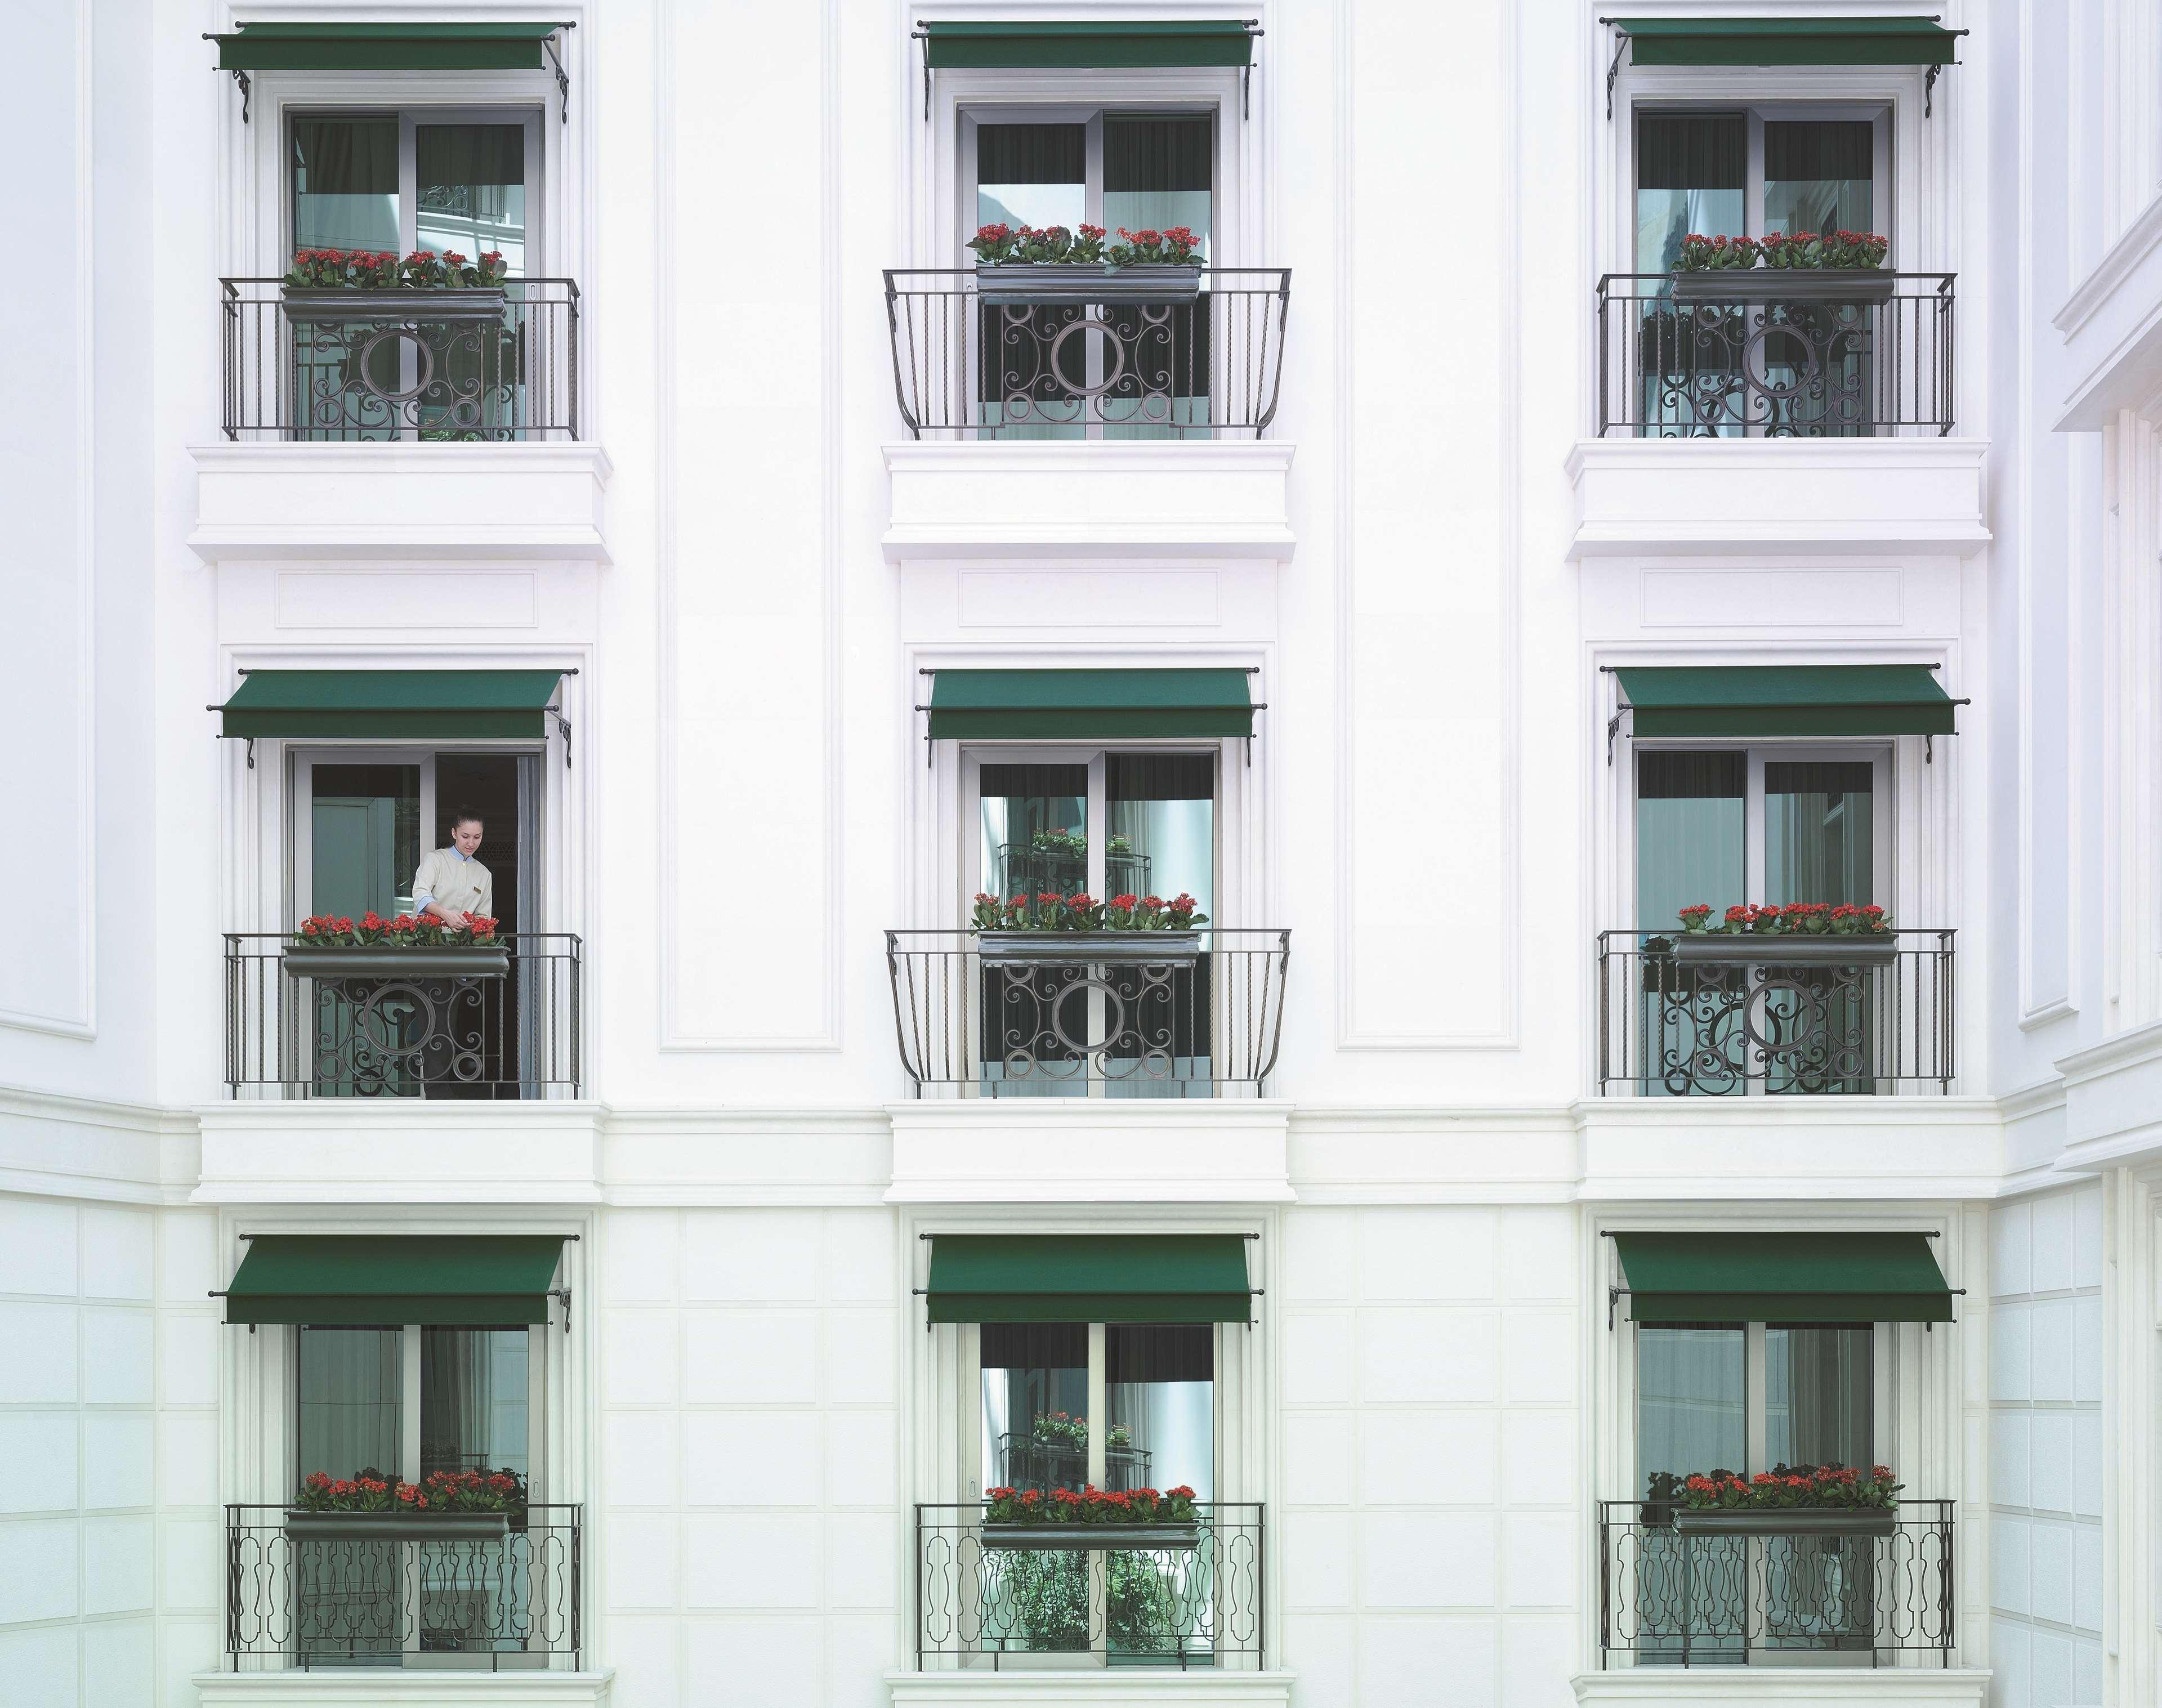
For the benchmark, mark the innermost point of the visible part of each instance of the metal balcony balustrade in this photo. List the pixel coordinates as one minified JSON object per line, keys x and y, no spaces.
{"x":1728,"y":1016}
{"x":1670,"y":1598}
{"x":1110,"y":1014}
{"x":966,"y":366}
{"x":379,"y":1599}
{"x":983,"y":1601}
{"x":349,"y":366}
{"x":1776,"y":354}
{"x":412,"y":1029}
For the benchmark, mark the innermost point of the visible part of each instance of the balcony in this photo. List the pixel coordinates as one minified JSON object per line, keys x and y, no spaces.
{"x":494,"y":1022}
{"x":440,"y":424}
{"x":1188,"y":1603}
{"x":392,"y":1590}
{"x":1795,"y":1598}
{"x":1731,"y":1017}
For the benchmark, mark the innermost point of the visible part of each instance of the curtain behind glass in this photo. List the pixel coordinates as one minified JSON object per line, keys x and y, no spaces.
{"x":1692,"y":171}
{"x":1162,"y":812}
{"x":1157,"y":173}
{"x":352,"y":1402}
{"x":1032,"y":817}
{"x":1690,"y":831}
{"x":475,"y":1400}
{"x":1692,"y":1399}
{"x":1818,"y":833}
{"x":1032,"y":174}
{"x":1160,"y":1384}
{"x":1820,"y":1394}
{"x":1036,"y":1404}
{"x":345,"y":184}
{"x":471,"y":189}
{"x":1818,"y":175}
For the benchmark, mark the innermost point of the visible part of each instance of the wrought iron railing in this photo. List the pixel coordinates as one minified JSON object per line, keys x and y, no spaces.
{"x":967,"y":367}
{"x":1669,"y":1597}
{"x":379,"y":1598}
{"x":1712,"y":1016}
{"x":357,"y":366}
{"x":414,"y":1029}
{"x":1776,"y":354}
{"x":1197,"y":1601}
{"x":1110,"y":1016}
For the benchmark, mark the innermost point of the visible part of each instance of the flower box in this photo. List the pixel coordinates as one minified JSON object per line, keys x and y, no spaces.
{"x":1779,"y":950}
{"x":1074,"y":1538}
{"x":1153,"y":948}
{"x":428,"y":306}
{"x":1785,"y":284}
{"x":397,"y":1526}
{"x":397,"y":961}
{"x":1082,"y":282}
{"x":1787,"y":1521}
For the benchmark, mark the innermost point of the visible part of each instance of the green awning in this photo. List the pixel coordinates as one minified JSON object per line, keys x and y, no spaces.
{"x":385,"y":47}
{"x":1788,"y":41}
{"x":1072,"y":45}
{"x":1089,"y":1279}
{"x":457,"y":1281}
{"x":410,"y":705}
{"x":1834,"y":699}
{"x":1090,"y":704}
{"x":1757,"y":1277}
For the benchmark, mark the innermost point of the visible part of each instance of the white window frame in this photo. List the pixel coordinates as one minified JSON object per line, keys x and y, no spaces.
{"x":1915,"y":215}
{"x":1920,"y":1421}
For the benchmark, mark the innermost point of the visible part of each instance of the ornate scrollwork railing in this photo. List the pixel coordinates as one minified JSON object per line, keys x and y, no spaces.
{"x":1074,"y":1020}
{"x":1675,"y":1599}
{"x":1198,"y":1604}
{"x":357,"y":366}
{"x":409,"y":1030}
{"x":377,"y":1600}
{"x":1726,"y":1016}
{"x":967,"y":367}
{"x":1759,"y":353}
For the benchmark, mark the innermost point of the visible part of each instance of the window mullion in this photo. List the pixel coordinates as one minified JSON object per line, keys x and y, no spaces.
{"x":1099,"y":1428}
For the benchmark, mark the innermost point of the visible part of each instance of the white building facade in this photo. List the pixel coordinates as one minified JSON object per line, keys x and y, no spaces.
{"x":1422,"y":581}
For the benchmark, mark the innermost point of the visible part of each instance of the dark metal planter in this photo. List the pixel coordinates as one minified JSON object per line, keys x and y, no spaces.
{"x":1061,"y":281}
{"x":1744,"y":949}
{"x":480,"y":302}
{"x":1790,"y":1521}
{"x":384,"y":961}
{"x":398,"y":1526}
{"x":1153,"y":948}
{"x":1784,"y":284}
{"x":1075,"y":1538}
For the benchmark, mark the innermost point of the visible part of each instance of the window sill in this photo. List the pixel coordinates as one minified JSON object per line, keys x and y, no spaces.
{"x":1799,"y":1687}
{"x":418,"y":1687}
{"x":393,"y":502}
{"x":1130,"y":1687}
{"x":1815,"y":498}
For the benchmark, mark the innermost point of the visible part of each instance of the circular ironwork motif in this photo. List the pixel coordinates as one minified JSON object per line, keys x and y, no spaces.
{"x":391,"y":336}
{"x":1116,"y":370}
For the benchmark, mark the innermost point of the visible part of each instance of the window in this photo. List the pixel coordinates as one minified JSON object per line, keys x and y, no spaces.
{"x":1757,"y":172}
{"x":405,"y":1403}
{"x":1747,"y":1397}
{"x":426,"y":179}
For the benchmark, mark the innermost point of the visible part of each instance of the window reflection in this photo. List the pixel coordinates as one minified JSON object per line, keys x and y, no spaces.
{"x":1159,"y":1389}
{"x":1036,"y":1404}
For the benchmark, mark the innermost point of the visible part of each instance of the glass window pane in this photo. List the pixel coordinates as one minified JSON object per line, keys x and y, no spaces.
{"x":1161,"y":821}
{"x":1161,"y":1388}
{"x":1035,"y":826}
{"x":1692,"y":169}
{"x":352,"y":1402}
{"x":471,"y":187}
{"x":1157,"y":173}
{"x":1818,"y":833}
{"x":345,"y":184}
{"x":1818,"y":175}
{"x":1035,"y":1405}
{"x":1032,"y":174}
{"x":1820,"y":1394}
{"x":364,"y":840}
{"x":1692,"y":1400}
{"x":475,"y":1400}
{"x":1689,"y":833}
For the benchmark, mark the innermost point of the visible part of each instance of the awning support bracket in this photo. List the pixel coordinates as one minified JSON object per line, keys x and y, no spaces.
{"x":247,"y":90}
{"x":1614,"y":68}
{"x":924,"y":37}
{"x":564,"y":1294}
{"x":1929,"y":89}
{"x":563,"y":724}
{"x":562,"y":77}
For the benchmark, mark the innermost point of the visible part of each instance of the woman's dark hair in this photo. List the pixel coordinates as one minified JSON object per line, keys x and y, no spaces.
{"x":466,"y":815}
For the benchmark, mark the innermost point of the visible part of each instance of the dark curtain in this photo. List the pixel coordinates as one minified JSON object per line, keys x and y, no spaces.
{"x":1160,"y":776}
{"x":1032,"y":154}
{"x":1819,"y":777}
{"x":1667,"y":776}
{"x":347,"y":157}
{"x":470,"y":154}
{"x":1818,"y":148}
{"x":1692,"y":151}
{"x":1155,"y":1352}
{"x":1156,"y":153}
{"x":1035,"y":1346}
{"x":1034,"y":782}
